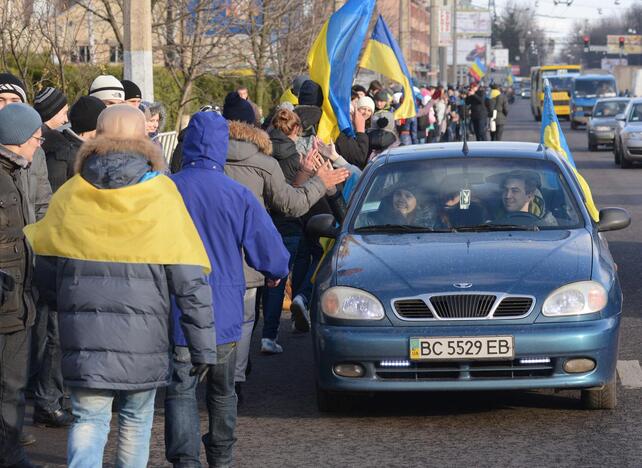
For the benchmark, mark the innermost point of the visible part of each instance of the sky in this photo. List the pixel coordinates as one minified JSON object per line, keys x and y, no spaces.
{"x":558,"y":20}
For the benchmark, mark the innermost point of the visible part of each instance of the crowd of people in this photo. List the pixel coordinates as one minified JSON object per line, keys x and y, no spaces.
{"x":138,"y":274}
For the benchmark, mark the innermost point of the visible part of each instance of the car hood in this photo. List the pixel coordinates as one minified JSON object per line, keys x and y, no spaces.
{"x":603,"y":121}
{"x":633,"y":127}
{"x":512,"y":262}
{"x":584,"y":102}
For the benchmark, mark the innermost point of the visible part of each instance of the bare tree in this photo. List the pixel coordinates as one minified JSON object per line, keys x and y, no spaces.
{"x":110,"y":11}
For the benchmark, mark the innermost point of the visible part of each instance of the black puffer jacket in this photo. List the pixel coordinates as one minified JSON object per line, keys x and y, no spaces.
{"x":16,"y":258}
{"x":354,"y":150}
{"x":478,"y":105}
{"x":114,"y":318}
{"x":60,"y":150}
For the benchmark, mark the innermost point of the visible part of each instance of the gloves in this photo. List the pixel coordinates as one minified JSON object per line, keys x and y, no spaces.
{"x":199,"y":370}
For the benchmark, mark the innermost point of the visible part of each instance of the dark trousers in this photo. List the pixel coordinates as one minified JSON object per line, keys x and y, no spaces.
{"x":308,"y":254}
{"x":479,"y":127}
{"x":497,"y":134}
{"x":182,"y":422}
{"x":14,"y":365}
{"x":46,"y":373}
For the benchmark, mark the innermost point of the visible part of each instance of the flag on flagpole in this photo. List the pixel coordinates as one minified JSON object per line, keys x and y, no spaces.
{"x":383,"y":55}
{"x":552,"y":137}
{"x":332,"y":61}
{"x":478,"y":69}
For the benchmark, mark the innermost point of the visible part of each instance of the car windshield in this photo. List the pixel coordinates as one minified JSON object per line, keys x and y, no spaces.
{"x":594,"y":88}
{"x":609,"y":108}
{"x":466,"y":194}
{"x":636,"y":113}
{"x":560,"y":83}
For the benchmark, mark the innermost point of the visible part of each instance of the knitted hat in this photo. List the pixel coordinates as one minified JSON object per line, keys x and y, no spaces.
{"x":132,"y":91}
{"x":49,"y":102}
{"x":236,"y":108}
{"x":18,"y":123}
{"x":11,"y":84}
{"x":382,"y":96}
{"x":310,"y":94}
{"x":83,"y":115}
{"x":366,"y":101}
{"x":106,"y":87}
{"x":297,"y":82}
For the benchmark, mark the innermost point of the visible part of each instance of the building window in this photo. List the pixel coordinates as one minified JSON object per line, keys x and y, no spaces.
{"x":82,"y":54}
{"x":115,"y":54}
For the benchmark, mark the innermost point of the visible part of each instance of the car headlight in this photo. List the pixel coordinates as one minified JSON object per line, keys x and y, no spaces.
{"x":600,"y":128}
{"x":632,"y":135}
{"x":352,"y":304}
{"x":583,"y":297}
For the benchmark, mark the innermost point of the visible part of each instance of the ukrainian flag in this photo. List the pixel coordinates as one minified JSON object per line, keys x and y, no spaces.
{"x":382,"y":55}
{"x":478,"y":69}
{"x":332,"y":61}
{"x":552,"y":137}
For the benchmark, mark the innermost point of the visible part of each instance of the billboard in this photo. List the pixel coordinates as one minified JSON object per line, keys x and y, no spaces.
{"x":445,"y":28}
{"x":468,"y":49}
{"x":499,"y":58}
{"x":476,"y":23}
{"x":632,"y":44}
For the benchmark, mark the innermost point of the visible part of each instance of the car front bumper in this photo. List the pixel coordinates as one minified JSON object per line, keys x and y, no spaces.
{"x":369,"y":346}
{"x":580,"y":117}
{"x":633,"y":149}
{"x":602,"y":137}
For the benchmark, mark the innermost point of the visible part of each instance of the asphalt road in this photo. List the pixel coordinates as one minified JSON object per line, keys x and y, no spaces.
{"x":279,"y":425}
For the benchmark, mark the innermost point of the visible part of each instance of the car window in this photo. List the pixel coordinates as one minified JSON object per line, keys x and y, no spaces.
{"x":594,"y":88}
{"x":609,"y":108}
{"x":636,"y":113}
{"x":467,"y":194}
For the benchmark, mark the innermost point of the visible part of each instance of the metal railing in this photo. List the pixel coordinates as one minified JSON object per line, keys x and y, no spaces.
{"x":168,"y":141}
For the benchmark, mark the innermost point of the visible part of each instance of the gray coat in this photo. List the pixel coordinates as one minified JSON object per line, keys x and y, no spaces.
{"x":500,"y":103}
{"x":114,"y":318}
{"x":250,"y":163}
{"x":36,"y":179}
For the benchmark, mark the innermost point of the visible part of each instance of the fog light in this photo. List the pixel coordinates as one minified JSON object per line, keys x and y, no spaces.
{"x":395,"y":363}
{"x":349,"y":370}
{"x":544,"y":360}
{"x":578,"y":366}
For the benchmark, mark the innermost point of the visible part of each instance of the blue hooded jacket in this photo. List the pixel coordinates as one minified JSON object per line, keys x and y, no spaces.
{"x":229,"y":219}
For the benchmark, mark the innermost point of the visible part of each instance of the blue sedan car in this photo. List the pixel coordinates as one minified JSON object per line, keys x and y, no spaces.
{"x":467,"y":269}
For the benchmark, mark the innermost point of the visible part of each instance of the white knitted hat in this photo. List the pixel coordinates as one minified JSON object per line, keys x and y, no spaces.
{"x":106,"y":87}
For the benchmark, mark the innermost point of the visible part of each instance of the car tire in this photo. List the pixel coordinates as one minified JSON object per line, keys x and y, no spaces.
{"x":604,"y":398}
{"x":616,"y":155}
{"x":592,"y":147}
{"x":329,"y":402}
{"x":573,"y":125}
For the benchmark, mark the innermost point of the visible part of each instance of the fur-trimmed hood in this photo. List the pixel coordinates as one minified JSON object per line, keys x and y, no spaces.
{"x":108,"y":162}
{"x":244,"y":133}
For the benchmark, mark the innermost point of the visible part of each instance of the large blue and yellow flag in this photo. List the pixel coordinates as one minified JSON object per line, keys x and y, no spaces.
{"x":333,"y":60}
{"x":552,"y":137}
{"x":382,"y":55}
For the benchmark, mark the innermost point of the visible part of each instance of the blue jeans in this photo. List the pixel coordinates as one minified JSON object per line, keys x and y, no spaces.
{"x":273,"y":297}
{"x":88,"y":434}
{"x":308,"y":256}
{"x":48,"y":388}
{"x":182,"y":422}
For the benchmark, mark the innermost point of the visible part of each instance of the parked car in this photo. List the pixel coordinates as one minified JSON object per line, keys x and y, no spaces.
{"x":585,"y":91}
{"x":525,"y":92}
{"x":600,"y":128}
{"x":438,"y":281}
{"x":627,"y":147}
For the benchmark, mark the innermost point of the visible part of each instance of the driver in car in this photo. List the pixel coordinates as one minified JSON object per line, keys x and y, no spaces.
{"x":520,"y":193}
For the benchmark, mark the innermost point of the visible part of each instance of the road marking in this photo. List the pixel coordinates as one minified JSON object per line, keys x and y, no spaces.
{"x":630,"y":373}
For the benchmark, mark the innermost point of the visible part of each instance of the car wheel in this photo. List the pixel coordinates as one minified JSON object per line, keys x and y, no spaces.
{"x":616,"y":155}
{"x":625,"y":163}
{"x":573,"y":125}
{"x":329,"y":402}
{"x":601,"y":398}
{"x":592,"y":147}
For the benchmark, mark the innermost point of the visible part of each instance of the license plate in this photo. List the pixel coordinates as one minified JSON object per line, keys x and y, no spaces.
{"x":462,"y":347}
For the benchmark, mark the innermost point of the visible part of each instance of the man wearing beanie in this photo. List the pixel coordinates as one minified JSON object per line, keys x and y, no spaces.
{"x":46,"y":374}
{"x":237,"y":108}
{"x":12,"y":90}
{"x":133,"y":95}
{"x":20,"y":135}
{"x":108,"y":89}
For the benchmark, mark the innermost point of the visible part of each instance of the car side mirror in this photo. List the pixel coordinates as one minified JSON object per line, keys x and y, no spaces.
{"x":613,"y":219}
{"x":620,"y":117}
{"x":322,"y":225}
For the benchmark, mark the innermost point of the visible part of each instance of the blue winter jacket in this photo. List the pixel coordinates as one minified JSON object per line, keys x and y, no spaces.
{"x":229,"y":219}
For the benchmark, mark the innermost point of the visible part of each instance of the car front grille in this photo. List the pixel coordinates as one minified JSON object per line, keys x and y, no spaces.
{"x":466,"y":370}
{"x":463,"y":306}
{"x":637,"y":151}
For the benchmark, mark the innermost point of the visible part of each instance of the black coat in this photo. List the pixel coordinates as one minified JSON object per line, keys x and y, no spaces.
{"x":478,"y":106}
{"x":60,"y":150}
{"x":16,"y":257}
{"x":354,"y":150}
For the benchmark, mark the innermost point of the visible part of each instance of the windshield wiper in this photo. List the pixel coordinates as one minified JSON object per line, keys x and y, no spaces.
{"x":498,"y":227}
{"x":401,"y":228}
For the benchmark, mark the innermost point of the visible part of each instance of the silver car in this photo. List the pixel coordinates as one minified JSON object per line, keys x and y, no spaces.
{"x":628,"y":135}
{"x":600,"y":128}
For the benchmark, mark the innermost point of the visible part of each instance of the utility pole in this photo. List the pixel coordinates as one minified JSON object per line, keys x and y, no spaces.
{"x":434,"y":41}
{"x":454,"y":39}
{"x":138,"y":58}
{"x":404,"y":30}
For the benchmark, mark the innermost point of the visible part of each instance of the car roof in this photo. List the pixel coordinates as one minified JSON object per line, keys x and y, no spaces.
{"x":637,"y":100}
{"x":484,"y":149}
{"x":595,"y":77}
